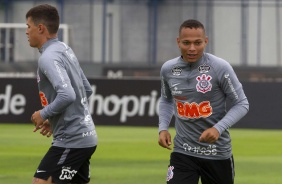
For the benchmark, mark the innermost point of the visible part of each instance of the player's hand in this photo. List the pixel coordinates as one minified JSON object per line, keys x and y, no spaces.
{"x":45,"y":129}
{"x":209,"y":136}
{"x":37,"y":119}
{"x":165,"y":139}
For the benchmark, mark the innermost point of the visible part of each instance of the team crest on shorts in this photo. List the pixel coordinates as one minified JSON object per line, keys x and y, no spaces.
{"x":204,"y":84}
{"x":67,"y":173}
{"x":169,"y":175}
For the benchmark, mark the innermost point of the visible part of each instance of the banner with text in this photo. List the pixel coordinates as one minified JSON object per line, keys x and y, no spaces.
{"x":133,"y":102}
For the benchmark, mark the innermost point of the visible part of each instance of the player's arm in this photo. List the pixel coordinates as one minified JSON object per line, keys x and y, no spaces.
{"x":233,"y":89}
{"x":58,"y":77}
{"x":165,"y":114}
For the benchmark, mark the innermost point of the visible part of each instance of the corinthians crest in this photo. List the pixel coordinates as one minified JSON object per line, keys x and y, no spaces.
{"x":204,"y":84}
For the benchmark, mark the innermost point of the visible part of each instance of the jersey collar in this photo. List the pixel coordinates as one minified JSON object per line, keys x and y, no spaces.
{"x":47,"y":44}
{"x":197,"y":63}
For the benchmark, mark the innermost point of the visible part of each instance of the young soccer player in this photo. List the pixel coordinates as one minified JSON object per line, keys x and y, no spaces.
{"x":63,"y":90}
{"x":195,"y":87}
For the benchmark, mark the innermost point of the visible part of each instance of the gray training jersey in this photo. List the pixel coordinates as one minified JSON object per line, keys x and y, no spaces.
{"x":64,"y":92}
{"x":196,"y":93}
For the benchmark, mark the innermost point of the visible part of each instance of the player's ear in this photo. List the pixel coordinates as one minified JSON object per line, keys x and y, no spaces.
{"x":206,"y":40}
{"x":178,"y":41}
{"x":40,"y":28}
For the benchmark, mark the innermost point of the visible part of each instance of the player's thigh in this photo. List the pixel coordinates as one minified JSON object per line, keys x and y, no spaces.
{"x":83,"y":173}
{"x":182,"y":170}
{"x":218,"y":171}
{"x":62,"y":164}
{"x":48,"y":164}
{"x":75,"y":168}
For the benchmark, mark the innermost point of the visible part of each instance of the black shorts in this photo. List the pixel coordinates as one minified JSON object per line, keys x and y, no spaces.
{"x":184,"y":169}
{"x":66,"y":165}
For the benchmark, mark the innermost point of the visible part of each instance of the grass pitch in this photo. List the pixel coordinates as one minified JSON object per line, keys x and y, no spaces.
{"x":131,"y":155}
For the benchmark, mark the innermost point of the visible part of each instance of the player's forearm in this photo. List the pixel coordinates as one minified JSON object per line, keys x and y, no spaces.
{"x":165,"y":114}
{"x":233,"y":116}
{"x":61,"y":102}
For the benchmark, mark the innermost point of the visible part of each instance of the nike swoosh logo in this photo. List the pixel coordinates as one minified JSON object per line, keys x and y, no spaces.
{"x":39,"y":171}
{"x":173,"y":85}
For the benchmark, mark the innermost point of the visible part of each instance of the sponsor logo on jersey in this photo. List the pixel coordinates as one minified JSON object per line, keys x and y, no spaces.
{"x":204,"y":84}
{"x":67,"y":173}
{"x":176,"y":71}
{"x":43,"y":99}
{"x":173,"y":85}
{"x":163,"y":87}
{"x":87,"y":115}
{"x":204,"y":68}
{"x":209,"y":150}
{"x":194,"y":110}
{"x":169,"y":175}
{"x":90,"y":133}
{"x":39,"y":171}
{"x":175,"y":91}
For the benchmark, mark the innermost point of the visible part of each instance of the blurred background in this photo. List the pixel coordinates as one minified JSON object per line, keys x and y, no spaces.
{"x":121,"y":45}
{"x":118,"y":38}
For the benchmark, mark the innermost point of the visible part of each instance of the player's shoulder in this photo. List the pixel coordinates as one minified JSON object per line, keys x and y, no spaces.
{"x":217,"y":62}
{"x":53,"y":50}
{"x":57,"y":47}
{"x":47,"y":56}
{"x":170,"y":63}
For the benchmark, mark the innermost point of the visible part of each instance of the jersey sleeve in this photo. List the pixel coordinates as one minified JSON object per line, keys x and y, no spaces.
{"x":234,"y":92}
{"x":165,"y":104}
{"x":54,"y":70}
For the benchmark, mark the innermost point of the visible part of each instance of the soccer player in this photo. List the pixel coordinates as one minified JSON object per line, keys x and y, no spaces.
{"x":64,"y":91}
{"x":195,"y":87}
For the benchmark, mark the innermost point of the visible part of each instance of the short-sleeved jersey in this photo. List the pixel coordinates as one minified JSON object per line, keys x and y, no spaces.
{"x":198,"y":93}
{"x":64,"y":92}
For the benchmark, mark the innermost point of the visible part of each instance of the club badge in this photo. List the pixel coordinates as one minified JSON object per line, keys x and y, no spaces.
{"x":169,"y":173}
{"x":204,"y":84}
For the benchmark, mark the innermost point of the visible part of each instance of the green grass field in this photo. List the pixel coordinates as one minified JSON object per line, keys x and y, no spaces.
{"x":131,"y":155}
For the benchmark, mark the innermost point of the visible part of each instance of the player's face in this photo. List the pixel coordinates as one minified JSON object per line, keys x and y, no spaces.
{"x":33,"y":33}
{"x":192,"y":43}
